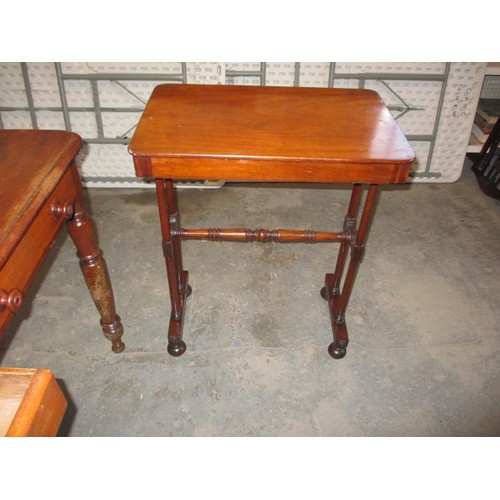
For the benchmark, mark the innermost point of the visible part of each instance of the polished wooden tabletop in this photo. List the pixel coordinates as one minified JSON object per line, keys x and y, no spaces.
{"x":31,"y":164}
{"x":269,"y":134}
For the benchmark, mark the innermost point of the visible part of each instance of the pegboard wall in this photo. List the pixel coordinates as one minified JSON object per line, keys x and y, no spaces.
{"x":434,"y":103}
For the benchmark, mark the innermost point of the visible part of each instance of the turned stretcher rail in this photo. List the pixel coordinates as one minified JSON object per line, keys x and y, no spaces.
{"x":261,"y":235}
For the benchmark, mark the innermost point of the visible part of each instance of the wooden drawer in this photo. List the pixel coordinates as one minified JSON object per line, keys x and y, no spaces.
{"x":31,"y":403}
{"x":28,"y":255}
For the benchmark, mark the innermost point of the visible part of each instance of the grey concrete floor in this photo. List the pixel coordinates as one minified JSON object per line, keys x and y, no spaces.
{"x":424,"y":352}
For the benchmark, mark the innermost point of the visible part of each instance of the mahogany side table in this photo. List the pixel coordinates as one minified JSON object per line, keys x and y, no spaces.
{"x":269,"y":134}
{"x":40,"y":191}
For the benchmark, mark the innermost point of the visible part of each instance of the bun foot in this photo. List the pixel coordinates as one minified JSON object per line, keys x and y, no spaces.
{"x":337,"y":350}
{"x":177,"y":349}
{"x":324,"y":293}
{"x":117,"y":346}
{"x":188,"y":290}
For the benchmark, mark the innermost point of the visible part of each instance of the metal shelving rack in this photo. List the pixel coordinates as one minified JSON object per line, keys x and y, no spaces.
{"x":489,"y":89}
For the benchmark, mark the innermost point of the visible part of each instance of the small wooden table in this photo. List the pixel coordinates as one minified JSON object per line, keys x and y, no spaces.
{"x":271,"y":134}
{"x":40,"y":191}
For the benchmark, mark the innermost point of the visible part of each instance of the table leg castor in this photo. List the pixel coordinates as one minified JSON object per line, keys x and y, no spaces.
{"x":177,"y":349}
{"x":337,"y":349}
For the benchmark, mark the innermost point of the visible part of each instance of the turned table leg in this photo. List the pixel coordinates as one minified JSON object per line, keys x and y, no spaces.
{"x":331,"y":292}
{"x":95,"y":272}
{"x":177,"y":277}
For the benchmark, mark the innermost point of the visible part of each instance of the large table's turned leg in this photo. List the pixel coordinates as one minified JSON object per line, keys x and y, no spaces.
{"x":331,"y":292}
{"x":177,"y":277}
{"x":95,"y":272}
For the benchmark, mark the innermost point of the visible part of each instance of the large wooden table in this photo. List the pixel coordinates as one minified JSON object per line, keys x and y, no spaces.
{"x":40,"y":193}
{"x":269,"y":134}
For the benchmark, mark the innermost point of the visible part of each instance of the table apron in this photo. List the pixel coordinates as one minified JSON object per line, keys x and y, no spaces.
{"x":272,"y":170}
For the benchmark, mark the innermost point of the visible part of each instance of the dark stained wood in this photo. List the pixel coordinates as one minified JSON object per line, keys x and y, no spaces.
{"x":177,"y":277}
{"x":95,"y":272}
{"x":232,"y":133}
{"x":41,"y":191}
{"x":339,"y":299}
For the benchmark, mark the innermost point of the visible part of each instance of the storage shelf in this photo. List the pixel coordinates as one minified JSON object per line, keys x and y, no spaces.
{"x":492,"y":69}
{"x":474,"y":145}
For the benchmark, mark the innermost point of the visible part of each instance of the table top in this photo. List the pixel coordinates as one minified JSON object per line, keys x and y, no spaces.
{"x":270,"y":134}
{"x":31,"y":164}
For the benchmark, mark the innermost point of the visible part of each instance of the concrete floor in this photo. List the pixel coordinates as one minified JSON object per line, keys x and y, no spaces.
{"x":424,"y":352}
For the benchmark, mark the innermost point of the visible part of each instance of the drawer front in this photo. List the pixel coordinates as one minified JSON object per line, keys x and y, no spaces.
{"x":28,"y":256}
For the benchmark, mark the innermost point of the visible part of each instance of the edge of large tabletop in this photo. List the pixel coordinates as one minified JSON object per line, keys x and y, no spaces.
{"x":50,"y":165}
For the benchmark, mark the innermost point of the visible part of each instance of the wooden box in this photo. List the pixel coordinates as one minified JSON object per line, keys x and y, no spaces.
{"x":31,"y":402}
